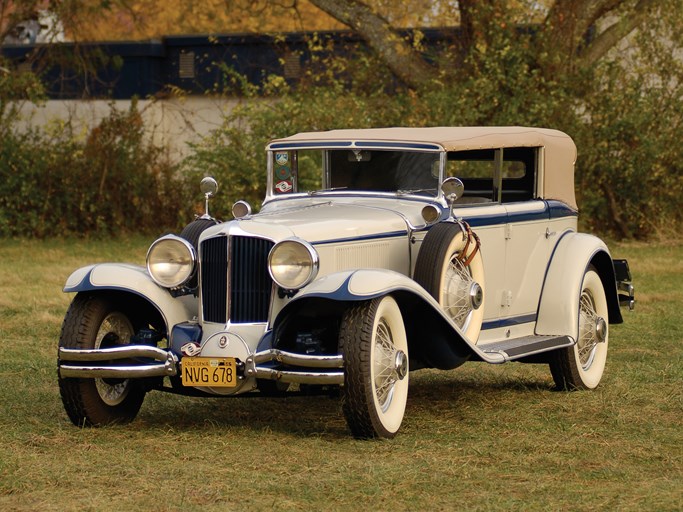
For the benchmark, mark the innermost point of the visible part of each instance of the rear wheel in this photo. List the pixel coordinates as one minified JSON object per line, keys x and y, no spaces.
{"x":581,"y":366}
{"x":90,"y":323}
{"x":375,"y":347}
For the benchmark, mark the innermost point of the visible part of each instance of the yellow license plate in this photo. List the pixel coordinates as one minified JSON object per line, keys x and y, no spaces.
{"x":215,"y":372}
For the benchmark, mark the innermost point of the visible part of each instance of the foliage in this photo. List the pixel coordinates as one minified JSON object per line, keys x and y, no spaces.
{"x":53,"y":182}
{"x":624,"y":114}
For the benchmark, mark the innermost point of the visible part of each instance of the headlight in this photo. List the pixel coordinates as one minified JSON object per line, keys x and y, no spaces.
{"x":292,"y":264}
{"x":171,"y":261}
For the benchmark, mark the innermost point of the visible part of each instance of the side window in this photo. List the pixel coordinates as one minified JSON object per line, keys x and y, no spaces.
{"x":495,"y":175}
{"x":476,"y":169}
{"x":519,"y":174}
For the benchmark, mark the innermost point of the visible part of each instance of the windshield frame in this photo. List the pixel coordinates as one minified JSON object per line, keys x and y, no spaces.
{"x":326,"y":188}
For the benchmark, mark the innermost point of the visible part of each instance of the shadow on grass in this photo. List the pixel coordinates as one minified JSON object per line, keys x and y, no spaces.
{"x":432,"y":396}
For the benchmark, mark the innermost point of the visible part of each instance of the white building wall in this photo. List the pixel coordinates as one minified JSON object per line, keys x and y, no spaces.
{"x":169,"y":123}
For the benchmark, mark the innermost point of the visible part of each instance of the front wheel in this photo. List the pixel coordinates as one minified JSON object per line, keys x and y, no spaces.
{"x":581,"y":366}
{"x":375,"y":347}
{"x":91,"y":323}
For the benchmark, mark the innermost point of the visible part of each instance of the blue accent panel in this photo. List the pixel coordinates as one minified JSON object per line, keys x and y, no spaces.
{"x":402,"y":145}
{"x":266,"y":342}
{"x":184,"y":333}
{"x":343,"y":294}
{"x":509,"y":217}
{"x":84,"y":286}
{"x":486,"y":220}
{"x":393,"y":234}
{"x":295,"y":145}
{"x":506,"y":218}
{"x":509,"y":322}
{"x":558,"y":209}
{"x":528,"y":216}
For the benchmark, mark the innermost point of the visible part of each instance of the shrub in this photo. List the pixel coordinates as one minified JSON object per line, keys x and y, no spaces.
{"x":54,"y":183}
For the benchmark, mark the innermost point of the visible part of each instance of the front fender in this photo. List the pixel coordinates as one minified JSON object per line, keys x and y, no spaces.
{"x":364,"y":284}
{"x":432,"y":336}
{"x":559,"y":305}
{"x":133,"y":279}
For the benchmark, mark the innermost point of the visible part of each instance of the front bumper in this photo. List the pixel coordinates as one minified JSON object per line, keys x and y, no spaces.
{"x":141,"y":361}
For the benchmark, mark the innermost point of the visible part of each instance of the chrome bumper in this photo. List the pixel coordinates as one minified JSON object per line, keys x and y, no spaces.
{"x":626,"y":295}
{"x":296,"y":376}
{"x":165,"y":363}
{"x":78,"y":363}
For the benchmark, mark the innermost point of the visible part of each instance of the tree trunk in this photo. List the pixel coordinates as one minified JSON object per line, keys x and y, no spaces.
{"x":402,"y":59}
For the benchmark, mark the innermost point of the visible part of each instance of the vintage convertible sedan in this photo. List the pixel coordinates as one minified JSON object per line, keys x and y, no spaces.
{"x":375,"y":253}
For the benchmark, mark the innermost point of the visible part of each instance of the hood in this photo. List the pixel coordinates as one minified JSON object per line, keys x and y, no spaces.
{"x":325,"y":222}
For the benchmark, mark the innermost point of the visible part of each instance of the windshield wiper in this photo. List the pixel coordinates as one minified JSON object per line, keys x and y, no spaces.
{"x":405,"y":192}
{"x":322,"y":190}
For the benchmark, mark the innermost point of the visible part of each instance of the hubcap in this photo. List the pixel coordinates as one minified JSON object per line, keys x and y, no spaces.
{"x":600,"y":329}
{"x":401,"y":363}
{"x":476,"y":295}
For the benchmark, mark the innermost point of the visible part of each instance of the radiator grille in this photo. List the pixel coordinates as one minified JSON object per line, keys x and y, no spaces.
{"x":250,"y":283}
{"x":214,"y":274}
{"x":244,"y":260}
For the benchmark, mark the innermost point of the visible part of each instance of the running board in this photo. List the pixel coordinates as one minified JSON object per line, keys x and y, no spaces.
{"x":517,"y":348}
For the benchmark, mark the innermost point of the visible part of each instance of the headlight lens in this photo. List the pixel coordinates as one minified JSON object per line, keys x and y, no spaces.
{"x":171,"y":261}
{"x":292,"y":264}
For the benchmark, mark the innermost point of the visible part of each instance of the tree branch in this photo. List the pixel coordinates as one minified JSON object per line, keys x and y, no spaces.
{"x":401,"y":58}
{"x":609,"y":37}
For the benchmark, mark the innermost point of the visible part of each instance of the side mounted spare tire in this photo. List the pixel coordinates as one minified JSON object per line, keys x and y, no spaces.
{"x":454,"y":279}
{"x":195,"y":228}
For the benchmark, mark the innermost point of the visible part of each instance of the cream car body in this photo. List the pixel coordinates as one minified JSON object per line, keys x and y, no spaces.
{"x":403,"y":267}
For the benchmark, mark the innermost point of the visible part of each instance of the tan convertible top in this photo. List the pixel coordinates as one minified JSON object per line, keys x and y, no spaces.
{"x":559,"y":152}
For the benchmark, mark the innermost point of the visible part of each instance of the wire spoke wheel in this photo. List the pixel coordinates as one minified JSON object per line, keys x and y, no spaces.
{"x":588,"y":321}
{"x":93,"y":322}
{"x":375,"y":347}
{"x":581,"y":366}
{"x":385,"y":374}
{"x":455,"y":291}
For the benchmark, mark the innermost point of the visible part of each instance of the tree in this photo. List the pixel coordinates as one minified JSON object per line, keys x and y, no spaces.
{"x":575,"y":33}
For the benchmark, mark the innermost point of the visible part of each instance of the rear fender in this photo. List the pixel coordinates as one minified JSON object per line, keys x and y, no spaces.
{"x":559,"y":304}
{"x":133,"y":279}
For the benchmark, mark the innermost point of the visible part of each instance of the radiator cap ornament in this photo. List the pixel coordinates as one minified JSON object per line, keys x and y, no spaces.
{"x":209,"y":187}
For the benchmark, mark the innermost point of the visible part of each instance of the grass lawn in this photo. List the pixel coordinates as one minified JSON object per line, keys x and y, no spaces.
{"x":476,"y":438}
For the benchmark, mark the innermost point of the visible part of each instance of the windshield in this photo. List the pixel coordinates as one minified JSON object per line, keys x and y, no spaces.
{"x":369,"y":170}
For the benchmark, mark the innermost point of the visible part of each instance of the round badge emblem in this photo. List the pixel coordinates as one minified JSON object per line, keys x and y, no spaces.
{"x":283,"y":187}
{"x":282,"y":173}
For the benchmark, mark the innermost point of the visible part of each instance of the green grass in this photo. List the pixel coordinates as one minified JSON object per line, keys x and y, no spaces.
{"x":477,"y":438}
